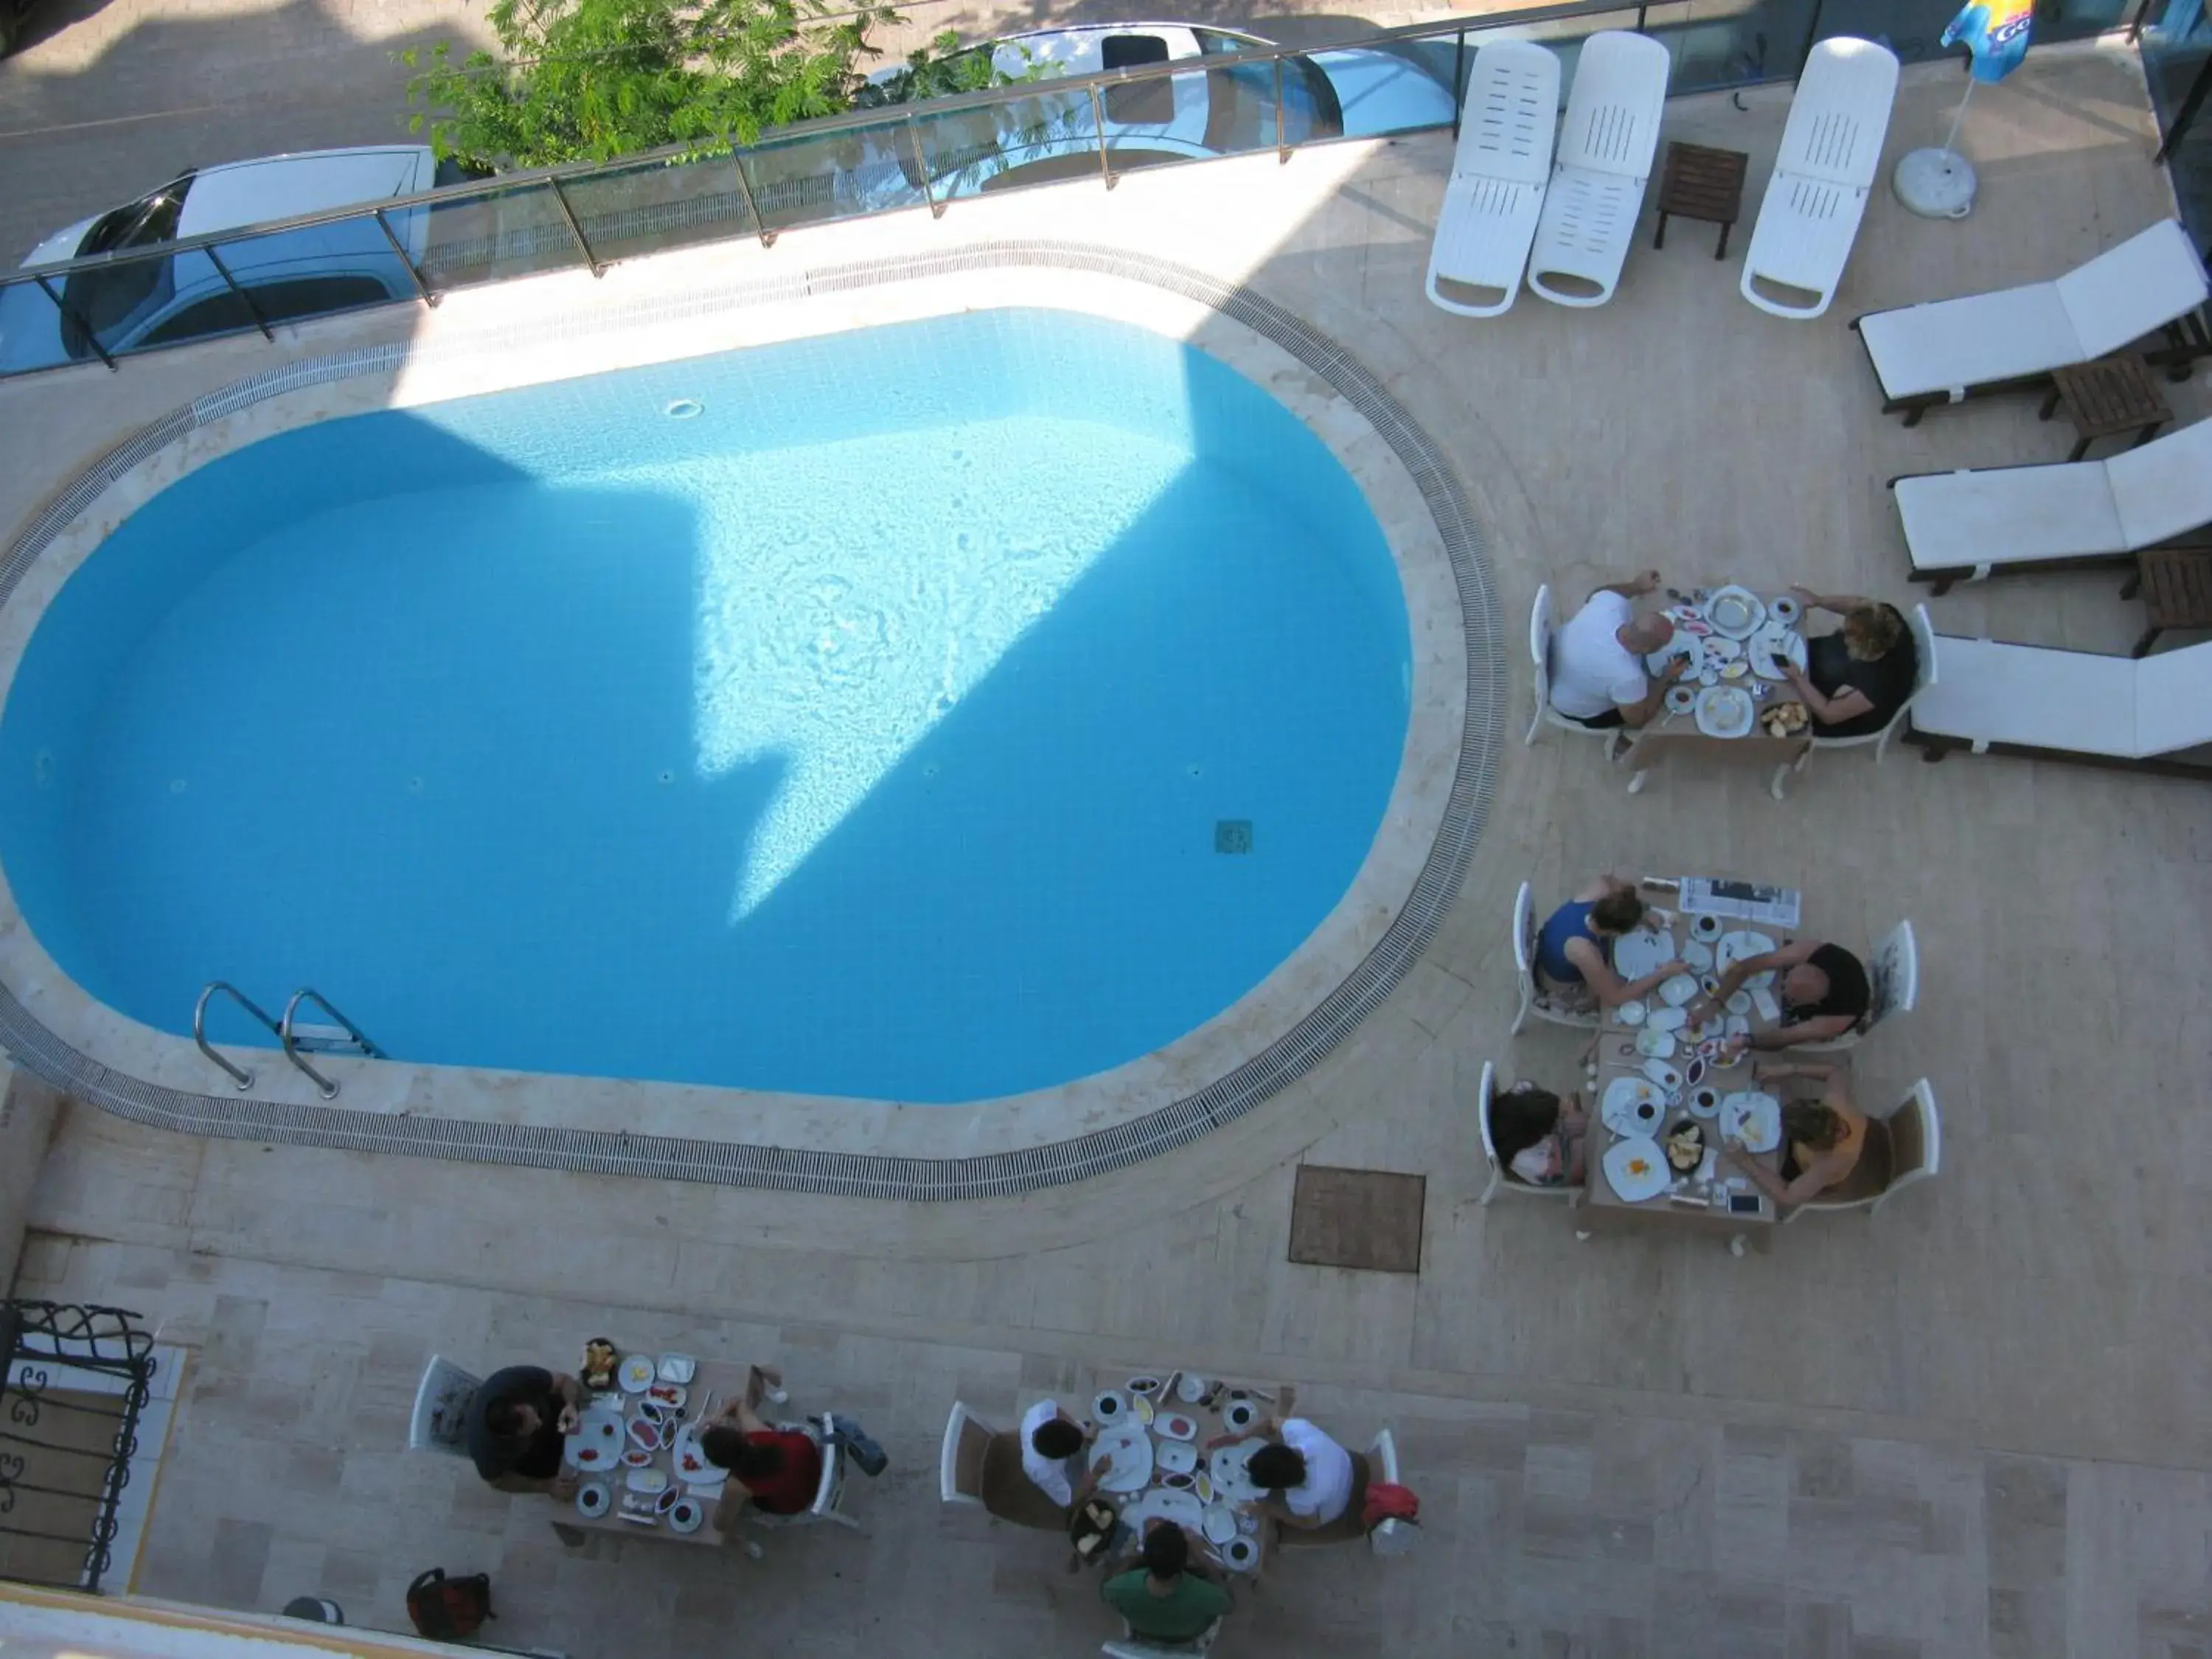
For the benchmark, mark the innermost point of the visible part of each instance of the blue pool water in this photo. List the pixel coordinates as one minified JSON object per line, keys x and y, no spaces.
{"x":869,"y":732}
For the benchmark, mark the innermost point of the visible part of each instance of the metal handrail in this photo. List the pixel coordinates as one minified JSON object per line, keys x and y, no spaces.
{"x":291,"y":1050}
{"x":887,"y":116}
{"x":240,"y":1075}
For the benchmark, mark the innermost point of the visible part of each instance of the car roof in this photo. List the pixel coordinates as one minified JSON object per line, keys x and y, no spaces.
{"x":262,"y":188}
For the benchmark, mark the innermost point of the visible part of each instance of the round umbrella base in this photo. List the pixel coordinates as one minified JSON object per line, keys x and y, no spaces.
{"x":1935,"y":184}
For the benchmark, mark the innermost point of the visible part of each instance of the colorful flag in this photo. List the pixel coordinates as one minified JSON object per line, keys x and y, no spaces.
{"x":1996,"y":32}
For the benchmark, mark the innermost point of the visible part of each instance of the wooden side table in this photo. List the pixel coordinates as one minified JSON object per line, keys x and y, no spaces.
{"x":1700,"y":183}
{"x":2176,"y":585}
{"x":2111,"y":397}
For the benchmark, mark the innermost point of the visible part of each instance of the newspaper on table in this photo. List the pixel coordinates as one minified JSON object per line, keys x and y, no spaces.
{"x":1776,"y":907}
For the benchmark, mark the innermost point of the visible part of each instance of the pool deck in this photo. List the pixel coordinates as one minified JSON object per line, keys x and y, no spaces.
{"x":1972,"y":1425}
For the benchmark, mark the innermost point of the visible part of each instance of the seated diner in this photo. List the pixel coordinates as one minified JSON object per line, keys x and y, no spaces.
{"x":1857,"y":678}
{"x":1823,"y":990}
{"x":1540,"y":1139}
{"x":1052,"y":1447}
{"x":1169,"y":1595}
{"x":778,"y":1470}
{"x":1596,"y":665}
{"x":1823,"y":1140}
{"x":516,"y":1425}
{"x":1307,"y":1477}
{"x":1574,"y":947}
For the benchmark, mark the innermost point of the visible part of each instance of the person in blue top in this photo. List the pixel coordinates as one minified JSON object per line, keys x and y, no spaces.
{"x":1574,"y":948}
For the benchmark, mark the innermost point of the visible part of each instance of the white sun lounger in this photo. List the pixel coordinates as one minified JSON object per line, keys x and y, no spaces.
{"x":1996,"y":698}
{"x":1967,"y":526}
{"x":1830,"y":154}
{"x":1610,"y":132}
{"x":1949,"y":349}
{"x":1497,"y":178}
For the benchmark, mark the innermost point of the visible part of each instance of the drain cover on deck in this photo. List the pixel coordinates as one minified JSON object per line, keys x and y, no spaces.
{"x":1232,"y":836}
{"x":1357,"y":1219}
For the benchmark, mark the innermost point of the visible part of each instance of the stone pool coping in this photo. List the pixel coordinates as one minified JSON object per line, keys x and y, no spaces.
{"x":1270,"y":1037}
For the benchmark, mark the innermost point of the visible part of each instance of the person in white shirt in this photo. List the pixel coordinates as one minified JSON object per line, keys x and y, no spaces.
{"x":1052,"y":1442}
{"x":1596,"y":673}
{"x":1307,"y":1475}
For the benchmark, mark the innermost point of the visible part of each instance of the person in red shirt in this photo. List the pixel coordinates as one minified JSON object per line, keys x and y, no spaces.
{"x":778,"y":1469}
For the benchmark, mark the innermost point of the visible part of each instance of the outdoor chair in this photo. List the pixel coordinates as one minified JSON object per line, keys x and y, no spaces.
{"x":2067,"y":515}
{"x":1911,"y":1142}
{"x":2011,"y":339}
{"x":1136,"y":1647}
{"x":1501,"y":1174}
{"x":440,"y":1420}
{"x":1393,"y":1536}
{"x":829,"y":1490}
{"x":1534,"y":999}
{"x":1893,"y":977}
{"x":1499,"y":169}
{"x":2046,"y":703}
{"x":1830,"y":159}
{"x":1923,"y":676}
{"x":960,"y":1463}
{"x":1606,"y":141}
{"x":1619,"y":741}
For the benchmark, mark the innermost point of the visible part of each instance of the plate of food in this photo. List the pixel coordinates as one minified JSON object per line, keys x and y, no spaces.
{"x":1667,"y":1019}
{"x":594,"y":1498}
{"x":1111,"y":1405}
{"x":1176,"y":1427}
{"x":1785,"y":719}
{"x":637,"y":1458}
{"x":1682,"y":644}
{"x":1636,"y":1168}
{"x":1663,"y":1074}
{"x":1771,"y":648}
{"x":1753,"y":1119}
{"x":1638,"y":953}
{"x":1632,"y":1106}
{"x":1656,"y":1044}
{"x":1785,"y":608}
{"x":686,"y":1515}
{"x":670,"y":1396}
{"x":1725,"y":711}
{"x":1685,"y":1146}
{"x":653,"y":1482}
{"x":1226,"y":1465}
{"x":1736,"y":946}
{"x":636,"y":1374}
{"x":1698,"y":954}
{"x":644,"y":1435}
{"x":1240,"y":1414}
{"x":597,"y":1442}
{"x":1680,"y":698}
{"x":1176,"y":1456}
{"x":1142,"y":1410}
{"x":1144,"y":1386}
{"x":1678,"y":990}
{"x":1131,"y":1448}
{"x":1630,"y":1013}
{"x":1734,"y":612}
{"x":677,"y":1367}
{"x":692,"y":1465}
{"x":598,"y":1370}
{"x":1705,"y":1103}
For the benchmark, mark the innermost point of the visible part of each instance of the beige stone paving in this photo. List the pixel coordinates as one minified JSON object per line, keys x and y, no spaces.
{"x":1970,"y":1426}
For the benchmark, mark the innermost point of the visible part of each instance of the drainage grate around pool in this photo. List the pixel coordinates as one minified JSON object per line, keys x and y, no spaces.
{"x":1232,"y":836}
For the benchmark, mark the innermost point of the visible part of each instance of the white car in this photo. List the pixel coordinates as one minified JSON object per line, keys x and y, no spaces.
{"x":1356,"y":93}
{"x":163,"y":301}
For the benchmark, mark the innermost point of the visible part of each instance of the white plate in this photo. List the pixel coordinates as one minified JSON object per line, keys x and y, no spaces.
{"x":1656,"y":1044}
{"x":672,"y":1396}
{"x":687,"y":1515}
{"x":1711,"y":677}
{"x":678,"y":1368}
{"x":1682,"y":644}
{"x":1736,"y":1025}
{"x":1226,"y":1465}
{"x":1734,"y":612}
{"x":1636,"y":1168}
{"x":1111,"y":1405}
{"x":1630,"y":1013}
{"x":1726,"y":711}
{"x":599,"y":1434}
{"x":594,"y":1498}
{"x":1637,"y":954}
{"x":636,"y":1374}
{"x":1772,"y":647}
{"x":1667,"y":1019}
{"x":1752,"y":1118}
{"x":1678,"y":990}
{"x":1721,"y":652}
{"x":1191,"y":1389}
{"x":1241,"y":1554}
{"x":1144,"y":1385}
{"x":1663,"y":1074}
{"x":1707,"y":927}
{"x":1183,"y":1508}
{"x":1631,"y":1105}
{"x":1220,"y":1522}
{"x":1735,"y":947}
{"x":646,"y":1481}
{"x":1680,"y":698}
{"x":1176,"y":1456}
{"x":1174,"y":1426}
{"x":691,"y":1464}
{"x":1785,"y":609}
{"x":1705,"y":1103}
{"x":1131,"y":1448}
{"x":1739,"y":1002}
{"x":1698,"y":954}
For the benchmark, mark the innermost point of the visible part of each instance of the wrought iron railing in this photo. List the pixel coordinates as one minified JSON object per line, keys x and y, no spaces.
{"x":415,"y":248}
{"x":73,"y":1381}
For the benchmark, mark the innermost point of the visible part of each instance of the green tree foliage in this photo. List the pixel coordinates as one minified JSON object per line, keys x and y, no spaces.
{"x":593,"y":80}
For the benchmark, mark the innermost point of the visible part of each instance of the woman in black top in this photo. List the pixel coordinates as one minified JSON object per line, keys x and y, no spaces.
{"x":1856,"y":679}
{"x":516,"y":1425}
{"x":1825,"y":994}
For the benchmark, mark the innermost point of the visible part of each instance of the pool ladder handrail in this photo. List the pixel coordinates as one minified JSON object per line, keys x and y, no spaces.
{"x":284,"y":1029}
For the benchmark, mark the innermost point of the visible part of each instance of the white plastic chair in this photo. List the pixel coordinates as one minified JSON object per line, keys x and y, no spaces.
{"x":1500,"y":1174}
{"x":1831,"y":156}
{"x":1499,"y":169}
{"x":1923,"y":676}
{"x":1916,"y":1152}
{"x":1135,"y":1647}
{"x":829,"y":1490}
{"x":1947,"y":350}
{"x":440,"y":1418}
{"x":1893,"y":977}
{"x":1972,"y":524}
{"x":1534,"y":998}
{"x":960,"y":1463}
{"x":1394,"y":1536}
{"x":1606,"y":141}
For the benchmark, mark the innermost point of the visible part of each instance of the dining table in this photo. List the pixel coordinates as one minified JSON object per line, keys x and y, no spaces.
{"x":635,"y":1447}
{"x":1655,"y":1076}
{"x":1736,"y":641}
{"x":1158,"y":1428}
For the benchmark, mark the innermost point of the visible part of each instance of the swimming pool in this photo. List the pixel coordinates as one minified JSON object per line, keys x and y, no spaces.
{"x":926,"y":714}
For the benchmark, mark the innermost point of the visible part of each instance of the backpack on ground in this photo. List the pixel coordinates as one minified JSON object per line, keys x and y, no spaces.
{"x":449,"y":1609}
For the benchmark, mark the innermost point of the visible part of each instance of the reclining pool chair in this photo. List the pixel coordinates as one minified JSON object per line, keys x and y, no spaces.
{"x":1606,"y":141}
{"x":1498,"y":174}
{"x":1830,"y":154}
{"x":2064,"y":515}
{"x":2135,"y":713}
{"x":2011,"y":339}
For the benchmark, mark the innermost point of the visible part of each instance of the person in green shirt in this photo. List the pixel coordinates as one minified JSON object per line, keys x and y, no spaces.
{"x":1168,"y":1597}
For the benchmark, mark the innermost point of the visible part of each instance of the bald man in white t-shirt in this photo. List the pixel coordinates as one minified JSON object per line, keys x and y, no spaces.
{"x":1597,"y":670}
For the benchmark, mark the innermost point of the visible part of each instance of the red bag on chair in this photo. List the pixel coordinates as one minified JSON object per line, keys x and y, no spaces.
{"x":1386,"y":1502}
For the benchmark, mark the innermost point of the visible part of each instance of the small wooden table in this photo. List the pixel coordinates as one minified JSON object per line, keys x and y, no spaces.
{"x":2176,"y":585}
{"x":714,"y":1384}
{"x":2107,"y":398}
{"x":1701,"y":183}
{"x":1209,"y":1414}
{"x":1672,"y":727}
